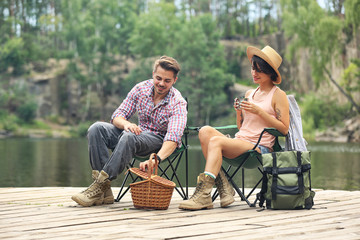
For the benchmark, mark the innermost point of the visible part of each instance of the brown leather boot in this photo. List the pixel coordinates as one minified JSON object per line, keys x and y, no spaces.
{"x":108,"y":194}
{"x":95,"y":192}
{"x":201,"y":199}
{"x":226,"y":191}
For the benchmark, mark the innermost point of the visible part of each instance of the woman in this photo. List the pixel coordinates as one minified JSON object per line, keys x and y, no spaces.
{"x":266,"y":106}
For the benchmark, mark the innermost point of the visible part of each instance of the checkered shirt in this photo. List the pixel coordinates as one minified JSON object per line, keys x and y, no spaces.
{"x":168,"y":118}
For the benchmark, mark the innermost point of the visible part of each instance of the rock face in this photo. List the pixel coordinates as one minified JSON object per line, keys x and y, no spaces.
{"x":349,"y":133}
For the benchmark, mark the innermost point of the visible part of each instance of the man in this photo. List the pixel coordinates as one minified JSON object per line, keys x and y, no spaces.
{"x":162,"y":118}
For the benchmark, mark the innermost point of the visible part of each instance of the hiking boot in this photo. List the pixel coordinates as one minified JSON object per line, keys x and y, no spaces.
{"x":226,"y":191}
{"x":201,"y":198}
{"x":94,"y":194}
{"x":108,"y":194}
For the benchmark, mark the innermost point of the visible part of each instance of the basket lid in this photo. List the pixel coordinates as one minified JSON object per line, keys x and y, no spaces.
{"x":138,"y":172}
{"x":154,"y":178}
{"x":163,"y":181}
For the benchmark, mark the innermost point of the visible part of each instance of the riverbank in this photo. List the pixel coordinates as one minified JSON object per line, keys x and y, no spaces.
{"x":349,"y":131}
{"x":49,"y":213}
{"x":44,"y":129}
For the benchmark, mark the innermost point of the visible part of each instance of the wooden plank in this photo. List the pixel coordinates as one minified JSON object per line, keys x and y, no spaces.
{"x":49,"y":213}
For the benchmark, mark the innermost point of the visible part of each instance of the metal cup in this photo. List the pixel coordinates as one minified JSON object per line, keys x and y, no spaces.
{"x":237,"y":102}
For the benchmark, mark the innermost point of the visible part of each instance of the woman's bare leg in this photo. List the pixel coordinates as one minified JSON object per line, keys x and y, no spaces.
{"x":205,"y":134}
{"x":219,"y":146}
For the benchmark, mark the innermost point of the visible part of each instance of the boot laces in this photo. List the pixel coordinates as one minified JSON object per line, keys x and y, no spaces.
{"x":197,"y":190}
{"x":93,"y":189}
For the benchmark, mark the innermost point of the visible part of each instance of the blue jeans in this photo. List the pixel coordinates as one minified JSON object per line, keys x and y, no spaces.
{"x":103,"y":136}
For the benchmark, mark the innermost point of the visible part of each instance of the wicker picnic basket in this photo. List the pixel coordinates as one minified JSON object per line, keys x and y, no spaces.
{"x":154,"y":192}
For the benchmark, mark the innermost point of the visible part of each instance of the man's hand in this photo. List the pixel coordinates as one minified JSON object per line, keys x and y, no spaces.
{"x":145,"y":165}
{"x":132,"y":127}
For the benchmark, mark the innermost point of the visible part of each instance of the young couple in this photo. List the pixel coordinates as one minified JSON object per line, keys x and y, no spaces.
{"x":162,"y":118}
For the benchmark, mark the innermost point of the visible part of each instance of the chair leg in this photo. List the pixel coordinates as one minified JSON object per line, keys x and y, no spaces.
{"x":256,"y":185}
{"x":186,"y":167}
{"x":173,"y":166}
{"x":120,"y":196}
{"x":163,"y":173}
{"x":241,"y":194}
{"x":243,"y":180}
{"x":237,"y":189}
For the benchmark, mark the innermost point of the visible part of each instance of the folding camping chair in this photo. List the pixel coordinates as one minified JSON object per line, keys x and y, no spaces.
{"x":252,"y":159}
{"x":167,"y":168}
{"x":249,"y":160}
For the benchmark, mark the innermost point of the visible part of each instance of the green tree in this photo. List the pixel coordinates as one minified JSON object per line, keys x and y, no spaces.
{"x":352,"y":17}
{"x":97,"y":35}
{"x":154,"y":30}
{"x":12,"y":55}
{"x":203,"y":78}
{"x":319,"y":32}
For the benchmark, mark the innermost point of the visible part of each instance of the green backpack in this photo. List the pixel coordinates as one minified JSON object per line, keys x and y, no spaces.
{"x":286,"y":181}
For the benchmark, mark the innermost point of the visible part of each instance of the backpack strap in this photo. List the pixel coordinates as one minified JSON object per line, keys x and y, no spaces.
{"x":275,"y":172}
{"x":299,"y":173}
{"x":261,"y":195}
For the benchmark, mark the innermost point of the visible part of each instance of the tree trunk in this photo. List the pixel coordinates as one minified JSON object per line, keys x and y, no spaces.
{"x":357,"y":107}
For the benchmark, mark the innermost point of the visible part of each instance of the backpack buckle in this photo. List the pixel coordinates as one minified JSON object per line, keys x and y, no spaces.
{"x":275,"y":171}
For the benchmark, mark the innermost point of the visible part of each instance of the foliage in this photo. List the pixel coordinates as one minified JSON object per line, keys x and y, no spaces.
{"x":9,"y":123}
{"x":320,"y":113}
{"x":12,"y":55}
{"x":98,"y":37}
{"x":352,"y":8}
{"x":16,"y":100}
{"x":313,"y":30}
{"x":321,"y":34}
{"x":154,"y":30}
{"x":141,"y":72}
{"x":203,"y":78}
{"x":80,"y":130}
{"x":351,"y":77}
{"x":27,"y":111}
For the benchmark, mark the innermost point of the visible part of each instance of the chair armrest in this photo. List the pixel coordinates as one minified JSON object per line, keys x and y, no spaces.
{"x":188,"y":128}
{"x":226,"y":127}
{"x":274,"y":132}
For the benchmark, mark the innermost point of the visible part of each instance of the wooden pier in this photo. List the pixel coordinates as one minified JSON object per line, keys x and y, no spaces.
{"x":49,"y":213}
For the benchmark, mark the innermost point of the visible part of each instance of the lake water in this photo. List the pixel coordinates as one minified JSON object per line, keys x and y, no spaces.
{"x":64,"y":162}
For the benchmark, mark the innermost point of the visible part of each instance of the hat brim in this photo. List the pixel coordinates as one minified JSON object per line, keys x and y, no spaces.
{"x":251,"y":51}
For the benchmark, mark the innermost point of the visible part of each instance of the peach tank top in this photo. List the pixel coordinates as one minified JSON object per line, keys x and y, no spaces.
{"x":253,"y":125}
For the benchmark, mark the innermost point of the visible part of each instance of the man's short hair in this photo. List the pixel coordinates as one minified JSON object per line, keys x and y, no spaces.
{"x":169,"y":64}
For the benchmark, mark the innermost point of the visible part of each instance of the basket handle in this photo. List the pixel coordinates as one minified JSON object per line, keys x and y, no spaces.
{"x":151,"y":167}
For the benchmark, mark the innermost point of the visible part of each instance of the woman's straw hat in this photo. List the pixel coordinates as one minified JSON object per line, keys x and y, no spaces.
{"x":269,"y":55}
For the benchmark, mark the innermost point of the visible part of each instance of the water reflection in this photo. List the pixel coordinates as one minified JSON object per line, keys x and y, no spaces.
{"x":64,"y":162}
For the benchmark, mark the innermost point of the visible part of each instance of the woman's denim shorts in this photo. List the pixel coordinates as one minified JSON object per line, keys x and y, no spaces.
{"x":264,"y":149}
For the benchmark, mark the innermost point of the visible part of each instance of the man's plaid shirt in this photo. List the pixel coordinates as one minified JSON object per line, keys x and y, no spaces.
{"x":168,"y":118}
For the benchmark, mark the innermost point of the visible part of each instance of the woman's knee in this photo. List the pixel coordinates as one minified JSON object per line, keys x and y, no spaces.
{"x":205,"y":132}
{"x":215,"y":141}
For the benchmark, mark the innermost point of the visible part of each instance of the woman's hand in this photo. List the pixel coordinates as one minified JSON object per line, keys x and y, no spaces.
{"x":250,"y":107}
